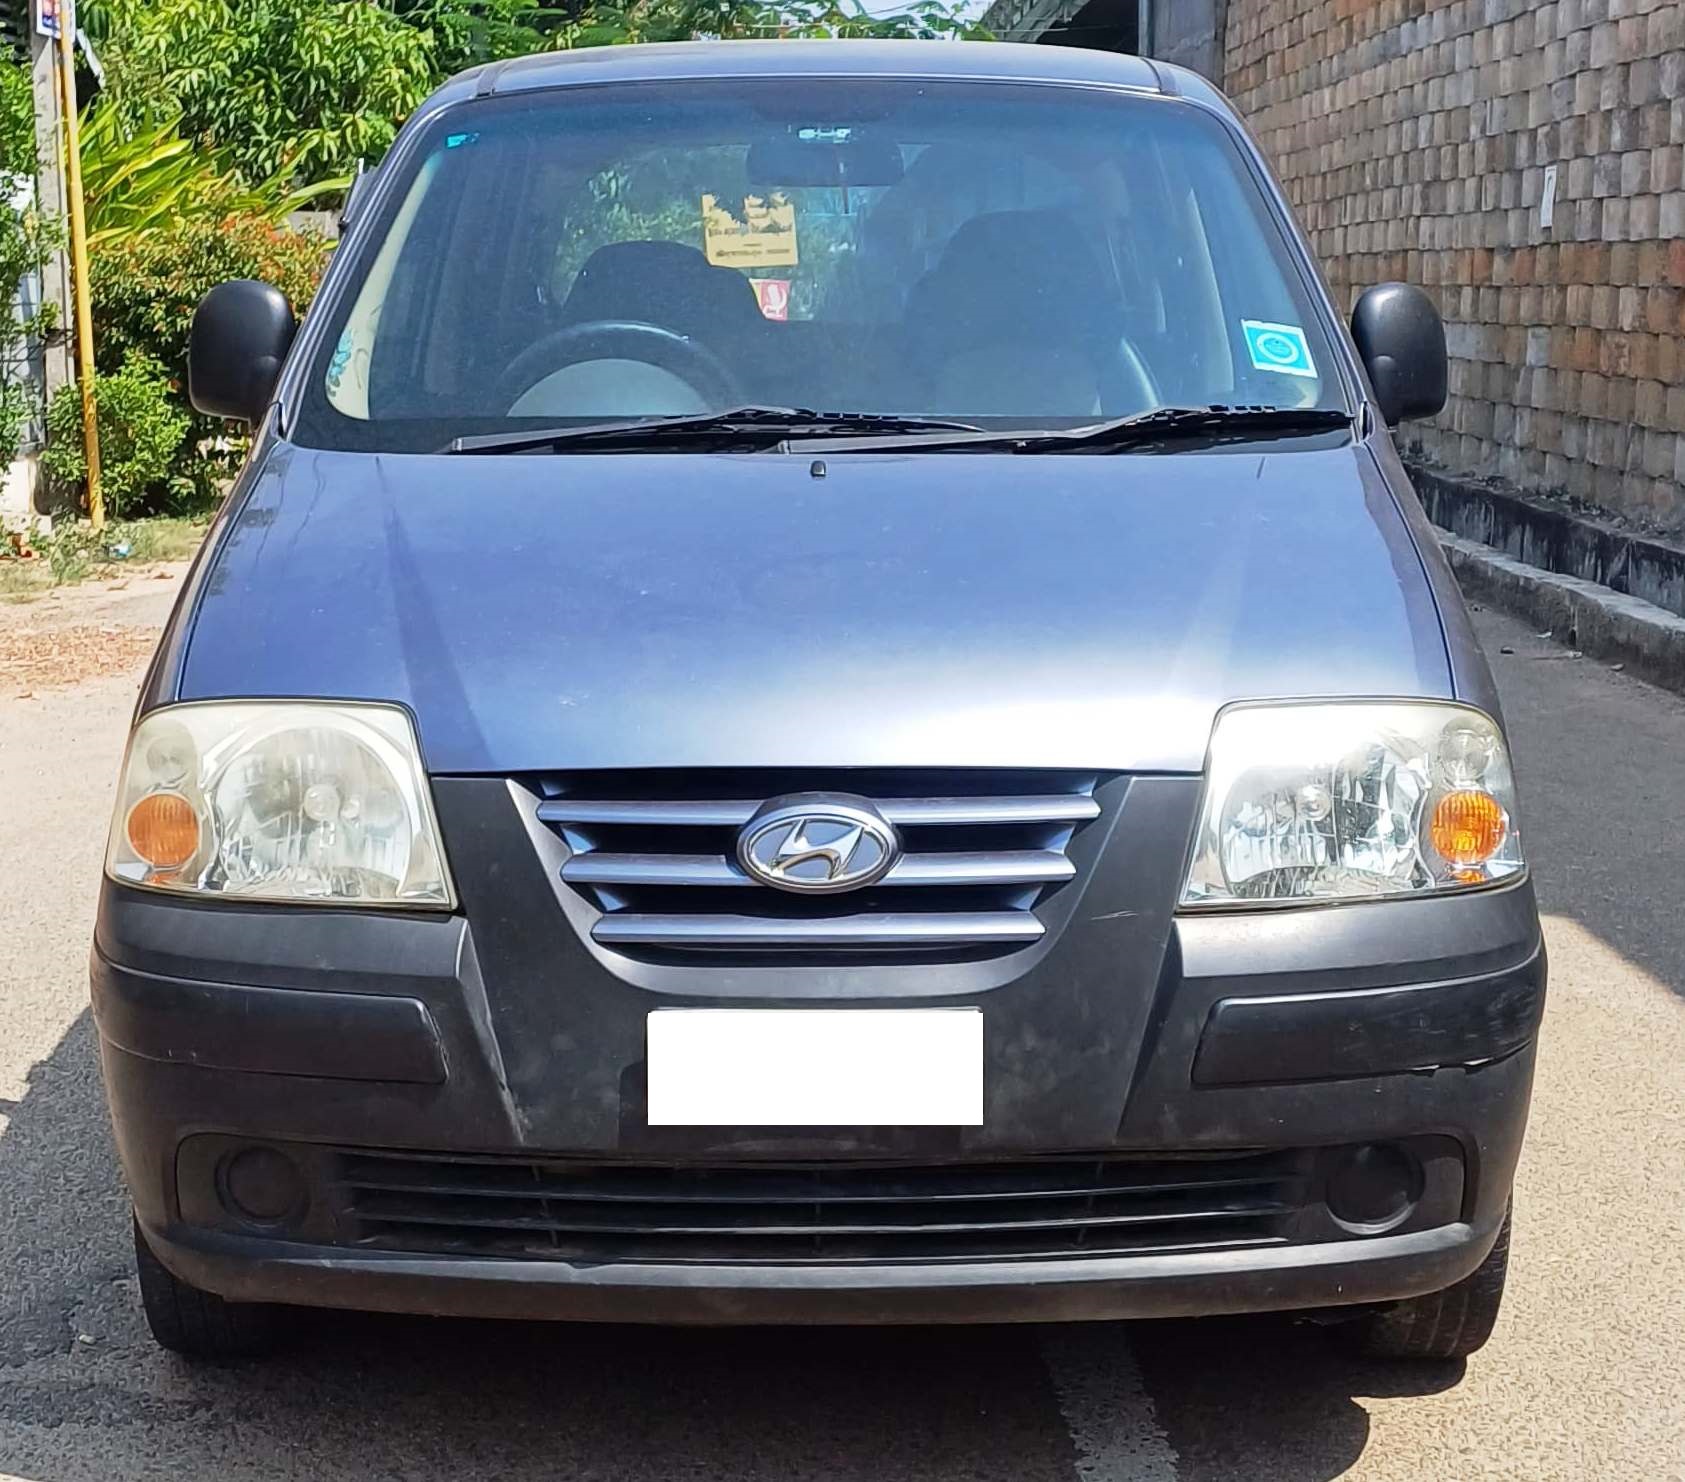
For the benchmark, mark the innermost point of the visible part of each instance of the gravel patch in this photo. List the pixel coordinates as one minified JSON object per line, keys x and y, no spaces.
{"x":34,"y":659}
{"x":72,"y":635}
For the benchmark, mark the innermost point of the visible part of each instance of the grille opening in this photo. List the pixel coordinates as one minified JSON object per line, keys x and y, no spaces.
{"x":655,"y":853}
{"x":780,"y":905}
{"x":831,"y":1214}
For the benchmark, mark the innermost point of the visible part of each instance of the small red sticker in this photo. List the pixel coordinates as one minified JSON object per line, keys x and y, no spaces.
{"x":774,"y":296}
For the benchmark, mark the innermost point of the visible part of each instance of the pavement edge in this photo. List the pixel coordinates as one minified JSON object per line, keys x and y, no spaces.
{"x":1647,"y":640}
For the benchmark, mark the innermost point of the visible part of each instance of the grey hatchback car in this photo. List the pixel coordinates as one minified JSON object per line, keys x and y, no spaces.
{"x":823,"y":701}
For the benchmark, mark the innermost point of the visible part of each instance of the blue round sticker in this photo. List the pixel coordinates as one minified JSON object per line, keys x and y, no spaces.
{"x":1278,"y":347}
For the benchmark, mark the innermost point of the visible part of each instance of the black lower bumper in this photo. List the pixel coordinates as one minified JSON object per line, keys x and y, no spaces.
{"x":1296,"y":1033}
{"x":1385,"y":1268}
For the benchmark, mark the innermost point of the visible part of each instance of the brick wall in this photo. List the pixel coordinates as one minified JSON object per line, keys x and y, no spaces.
{"x":1413,"y":137}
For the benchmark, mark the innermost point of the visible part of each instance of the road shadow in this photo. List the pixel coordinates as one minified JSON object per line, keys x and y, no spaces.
{"x":1271,"y":1396}
{"x":84,"y":1393}
{"x":63,"y":1214}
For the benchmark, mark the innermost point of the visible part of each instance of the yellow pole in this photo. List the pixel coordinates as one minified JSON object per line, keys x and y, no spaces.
{"x":79,"y":261}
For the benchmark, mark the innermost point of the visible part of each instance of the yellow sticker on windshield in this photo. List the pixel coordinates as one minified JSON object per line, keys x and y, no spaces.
{"x":763,"y":237}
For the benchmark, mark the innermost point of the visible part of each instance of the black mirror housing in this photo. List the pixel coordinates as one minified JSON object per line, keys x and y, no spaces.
{"x":242,"y":331}
{"x":1399,"y":334}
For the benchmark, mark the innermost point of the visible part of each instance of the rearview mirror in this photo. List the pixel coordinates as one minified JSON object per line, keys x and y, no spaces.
{"x":1402,"y":341}
{"x":241,"y":334}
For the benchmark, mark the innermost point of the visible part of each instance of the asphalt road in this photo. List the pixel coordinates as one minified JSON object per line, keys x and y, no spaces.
{"x":1584,"y":1379}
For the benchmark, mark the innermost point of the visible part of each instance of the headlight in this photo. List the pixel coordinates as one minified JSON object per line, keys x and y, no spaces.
{"x":1351,"y":801}
{"x":294,"y":802}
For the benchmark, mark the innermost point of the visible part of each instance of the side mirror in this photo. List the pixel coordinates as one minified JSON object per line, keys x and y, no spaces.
{"x":241,"y":334}
{"x":1402,"y":341}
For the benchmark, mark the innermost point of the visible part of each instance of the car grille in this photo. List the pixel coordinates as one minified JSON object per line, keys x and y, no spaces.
{"x":835,"y":1213}
{"x":655,"y":853}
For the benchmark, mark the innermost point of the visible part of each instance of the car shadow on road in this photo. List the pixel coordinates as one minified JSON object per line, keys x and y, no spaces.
{"x":1269,"y":1396}
{"x":83,"y":1392}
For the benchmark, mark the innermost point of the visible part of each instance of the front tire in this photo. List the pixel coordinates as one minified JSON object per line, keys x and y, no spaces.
{"x":1450,"y":1324}
{"x":199,"y":1324}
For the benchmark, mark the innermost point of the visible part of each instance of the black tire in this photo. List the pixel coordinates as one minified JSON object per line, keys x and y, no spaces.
{"x":1450,"y":1324}
{"x":196,"y":1324}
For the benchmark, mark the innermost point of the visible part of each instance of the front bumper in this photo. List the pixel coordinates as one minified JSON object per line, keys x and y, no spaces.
{"x":1385,"y":1268}
{"x":505,"y":1034}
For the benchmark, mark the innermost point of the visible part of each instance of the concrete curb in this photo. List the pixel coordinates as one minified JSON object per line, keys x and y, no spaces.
{"x":1551,"y":537}
{"x":1648,"y":640}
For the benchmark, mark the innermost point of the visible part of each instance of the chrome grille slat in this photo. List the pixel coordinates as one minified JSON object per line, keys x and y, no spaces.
{"x":903,"y":812}
{"x":880,"y":929}
{"x":1012,"y":866}
{"x":656,"y":855}
{"x":1074,"y":808}
{"x":978,"y":867}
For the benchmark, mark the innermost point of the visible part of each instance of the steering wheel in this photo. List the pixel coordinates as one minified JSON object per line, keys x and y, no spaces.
{"x":620,"y":339}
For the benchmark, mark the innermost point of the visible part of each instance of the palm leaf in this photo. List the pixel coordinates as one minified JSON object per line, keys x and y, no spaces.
{"x":152,"y":178}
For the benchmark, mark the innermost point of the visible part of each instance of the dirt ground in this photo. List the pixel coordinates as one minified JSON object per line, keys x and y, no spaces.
{"x":94,"y":630}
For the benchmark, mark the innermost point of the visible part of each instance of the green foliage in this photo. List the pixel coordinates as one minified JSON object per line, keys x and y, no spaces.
{"x":73,"y":550}
{"x":27,"y":239}
{"x":38,"y":557}
{"x":617,"y":22}
{"x":17,"y":120}
{"x":147,"y":179}
{"x":140,"y":432}
{"x":167,"y":222}
{"x":303,"y":88}
{"x":146,"y":287}
{"x":468,"y":32}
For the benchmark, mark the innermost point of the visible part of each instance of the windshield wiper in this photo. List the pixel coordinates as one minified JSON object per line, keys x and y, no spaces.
{"x":1172,"y":424}
{"x":867,"y":432}
{"x":746,"y":426}
{"x":1212,"y":424}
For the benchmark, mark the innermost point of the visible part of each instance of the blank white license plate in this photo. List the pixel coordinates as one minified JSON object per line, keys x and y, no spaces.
{"x":816,"y":1068}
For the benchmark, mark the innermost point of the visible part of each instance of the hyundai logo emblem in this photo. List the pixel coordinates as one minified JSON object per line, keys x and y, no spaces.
{"x":817,"y":844}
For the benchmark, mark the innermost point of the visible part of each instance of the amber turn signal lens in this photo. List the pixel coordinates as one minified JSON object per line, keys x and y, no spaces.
{"x":1467,"y":828}
{"x":163,"y":830}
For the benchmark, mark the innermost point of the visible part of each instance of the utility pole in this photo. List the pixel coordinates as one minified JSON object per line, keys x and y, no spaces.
{"x":79,"y":258}
{"x":59,"y":368}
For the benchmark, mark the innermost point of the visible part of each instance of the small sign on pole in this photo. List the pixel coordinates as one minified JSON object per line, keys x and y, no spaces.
{"x":51,"y":14}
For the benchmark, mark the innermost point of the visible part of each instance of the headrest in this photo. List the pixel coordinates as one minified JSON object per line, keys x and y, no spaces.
{"x":665,"y":283}
{"x":1015,"y":275}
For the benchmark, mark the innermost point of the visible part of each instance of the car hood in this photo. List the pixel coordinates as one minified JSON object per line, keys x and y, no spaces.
{"x":666,"y":610}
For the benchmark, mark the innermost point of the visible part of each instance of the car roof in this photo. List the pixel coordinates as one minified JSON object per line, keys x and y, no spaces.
{"x":670,"y":61}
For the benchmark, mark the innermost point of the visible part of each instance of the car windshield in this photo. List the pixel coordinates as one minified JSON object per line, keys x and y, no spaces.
{"x":1002,"y":254}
